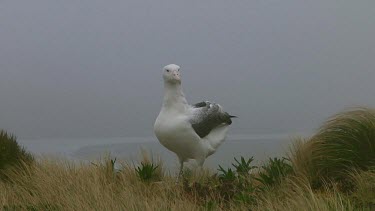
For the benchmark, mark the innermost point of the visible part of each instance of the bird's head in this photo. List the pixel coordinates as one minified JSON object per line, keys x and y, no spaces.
{"x":171,"y":74}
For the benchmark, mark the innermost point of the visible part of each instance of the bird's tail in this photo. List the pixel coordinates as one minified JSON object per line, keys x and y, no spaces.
{"x":216,"y":138}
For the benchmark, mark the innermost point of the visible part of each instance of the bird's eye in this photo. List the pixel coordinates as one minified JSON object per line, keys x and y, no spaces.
{"x":178,"y":70}
{"x":167,"y":71}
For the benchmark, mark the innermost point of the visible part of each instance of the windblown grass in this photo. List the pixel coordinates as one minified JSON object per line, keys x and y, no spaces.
{"x":63,"y":185}
{"x":364,"y":191}
{"x":333,"y":170}
{"x":344,"y":143}
{"x":297,"y":194}
{"x":11,"y":153}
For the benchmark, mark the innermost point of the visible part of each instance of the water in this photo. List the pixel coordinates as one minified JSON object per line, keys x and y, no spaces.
{"x":129,"y":148}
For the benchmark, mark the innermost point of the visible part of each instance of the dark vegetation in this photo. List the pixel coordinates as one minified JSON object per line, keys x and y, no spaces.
{"x":11,"y":153}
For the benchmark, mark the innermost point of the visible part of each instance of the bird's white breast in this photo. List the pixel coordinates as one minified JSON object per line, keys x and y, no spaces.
{"x":175,"y":133}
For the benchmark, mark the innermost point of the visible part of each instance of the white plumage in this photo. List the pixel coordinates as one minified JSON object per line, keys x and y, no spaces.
{"x":190,"y":131}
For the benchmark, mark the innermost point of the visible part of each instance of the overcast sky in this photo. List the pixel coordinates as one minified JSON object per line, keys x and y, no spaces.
{"x":92,"y":68}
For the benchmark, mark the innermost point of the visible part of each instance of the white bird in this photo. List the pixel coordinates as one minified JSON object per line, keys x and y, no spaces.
{"x":190,"y":131}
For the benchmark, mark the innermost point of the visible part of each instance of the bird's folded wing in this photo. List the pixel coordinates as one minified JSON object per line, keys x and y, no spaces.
{"x":207,"y":116}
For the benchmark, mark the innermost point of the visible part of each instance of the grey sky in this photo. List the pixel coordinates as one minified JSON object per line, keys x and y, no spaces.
{"x":92,"y":68}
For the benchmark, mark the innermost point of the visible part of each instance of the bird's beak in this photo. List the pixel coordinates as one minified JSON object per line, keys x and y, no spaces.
{"x":177,"y":76}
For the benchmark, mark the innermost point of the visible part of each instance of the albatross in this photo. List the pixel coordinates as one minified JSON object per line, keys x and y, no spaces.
{"x":190,"y":131}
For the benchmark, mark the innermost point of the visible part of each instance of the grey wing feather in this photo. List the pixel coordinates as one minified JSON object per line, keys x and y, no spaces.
{"x":200,"y":104}
{"x":208,"y":116}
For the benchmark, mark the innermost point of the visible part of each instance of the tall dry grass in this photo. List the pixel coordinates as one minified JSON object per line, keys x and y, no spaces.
{"x":344,"y":143}
{"x":364,"y":191}
{"x":341,"y":151}
{"x":11,"y":153}
{"x":63,"y":185}
{"x":296,"y":193}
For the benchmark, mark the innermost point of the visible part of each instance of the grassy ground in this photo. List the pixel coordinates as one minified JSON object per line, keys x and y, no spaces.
{"x":333,"y":170}
{"x":60,"y":185}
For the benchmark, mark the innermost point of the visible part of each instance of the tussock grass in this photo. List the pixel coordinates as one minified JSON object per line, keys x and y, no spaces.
{"x":364,"y":191}
{"x":332,"y":170}
{"x":344,"y":143}
{"x":63,"y":185}
{"x":11,"y":153}
{"x":297,"y":194}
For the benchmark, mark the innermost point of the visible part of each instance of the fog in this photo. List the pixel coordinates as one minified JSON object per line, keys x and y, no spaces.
{"x":92,"y":68}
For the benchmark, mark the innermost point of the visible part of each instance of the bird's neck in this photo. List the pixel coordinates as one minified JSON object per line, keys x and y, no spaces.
{"x":174,"y":98}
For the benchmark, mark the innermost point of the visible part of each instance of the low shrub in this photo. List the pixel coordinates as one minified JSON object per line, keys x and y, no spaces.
{"x":147,"y":171}
{"x":274,"y":171}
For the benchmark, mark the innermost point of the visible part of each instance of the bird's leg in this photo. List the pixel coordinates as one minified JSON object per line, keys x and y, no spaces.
{"x":200,"y":163}
{"x":181,"y":171}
